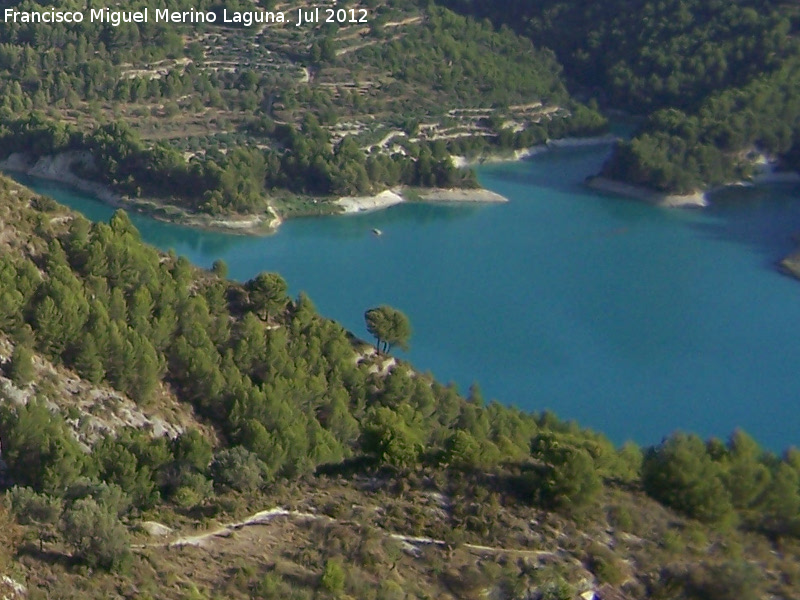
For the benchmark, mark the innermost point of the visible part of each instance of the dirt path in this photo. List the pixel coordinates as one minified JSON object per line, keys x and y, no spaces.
{"x":386,"y":139}
{"x":410,"y":543}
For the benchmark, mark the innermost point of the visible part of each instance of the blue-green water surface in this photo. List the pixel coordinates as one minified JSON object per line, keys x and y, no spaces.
{"x":631,"y":319}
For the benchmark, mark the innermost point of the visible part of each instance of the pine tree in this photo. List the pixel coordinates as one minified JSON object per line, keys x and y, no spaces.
{"x":21,"y":370}
{"x":267,"y":293}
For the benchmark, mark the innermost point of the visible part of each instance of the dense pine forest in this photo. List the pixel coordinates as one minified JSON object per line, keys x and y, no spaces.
{"x":717,"y":81}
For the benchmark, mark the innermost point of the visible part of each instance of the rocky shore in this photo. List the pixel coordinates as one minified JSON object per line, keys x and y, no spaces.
{"x":694,"y":200}
{"x":481,"y":196}
{"x":59,"y":168}
{"x":359,"y":204}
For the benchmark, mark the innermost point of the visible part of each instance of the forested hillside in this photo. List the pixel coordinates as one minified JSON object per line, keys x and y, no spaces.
{"x":169,"y":433}
{"x":399,"y":485}
{"x":717,"y":80}
{"x":221,"y":119}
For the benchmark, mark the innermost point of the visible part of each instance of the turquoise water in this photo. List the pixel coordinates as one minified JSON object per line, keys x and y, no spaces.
{"x":631,"y":319}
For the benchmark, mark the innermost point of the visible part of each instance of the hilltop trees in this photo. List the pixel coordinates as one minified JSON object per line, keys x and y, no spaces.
{"x":568,"y":478}
{"x":267,"y":293}
{"x":389,"y":326}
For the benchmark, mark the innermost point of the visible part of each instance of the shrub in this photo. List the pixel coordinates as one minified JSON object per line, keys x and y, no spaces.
{"x":239,"y":469}
{"x":605,"y":565}
{"x":390,"y":590}
{"x":96,"y":535}
{"x":10,"y":536}
{"x":333,"y":577}
{"x":109,"y":495}
{"x":20,"y":368}
{"x":729,"y":581}
{"x":39,"y":510}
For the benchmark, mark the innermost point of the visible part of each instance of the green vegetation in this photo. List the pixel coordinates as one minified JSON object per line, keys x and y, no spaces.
{"x":718,"y":80}
{"x":20,"y":369}
{"x":221,"y":120}
{"x":291,"y":410}
{"x":137,"y":388}
{"x":389,"y":326}
{"x":679,"y":152}
{"x":644,"y":55}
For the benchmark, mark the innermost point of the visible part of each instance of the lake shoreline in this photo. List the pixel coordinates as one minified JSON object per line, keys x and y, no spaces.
{"x":655,"y":273}
{"x":603,"y":184}
{"x":58,"y":168}
{"x":462,"y":162}
{"x":388,"y":198}
{"x":789,"y":265}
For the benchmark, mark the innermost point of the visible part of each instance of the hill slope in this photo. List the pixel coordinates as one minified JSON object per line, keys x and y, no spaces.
{"x":222,"y":120}
{"x":385,"y":484}
{"x":717,"y":80}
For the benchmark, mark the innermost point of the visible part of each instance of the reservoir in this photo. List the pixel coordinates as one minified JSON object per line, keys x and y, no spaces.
{"x":631,"y":319}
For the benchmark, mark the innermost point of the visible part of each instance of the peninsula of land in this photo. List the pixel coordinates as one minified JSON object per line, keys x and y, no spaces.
{"x":61,"y":168}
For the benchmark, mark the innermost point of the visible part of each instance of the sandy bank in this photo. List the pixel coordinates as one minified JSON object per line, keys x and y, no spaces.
{"x":695,"y":200}
{"x":387,"y":198}
{"x":59,"y":168}
{"x":791,"y":264}
{"x":357,"y":204}
{"x":458,"y":195}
